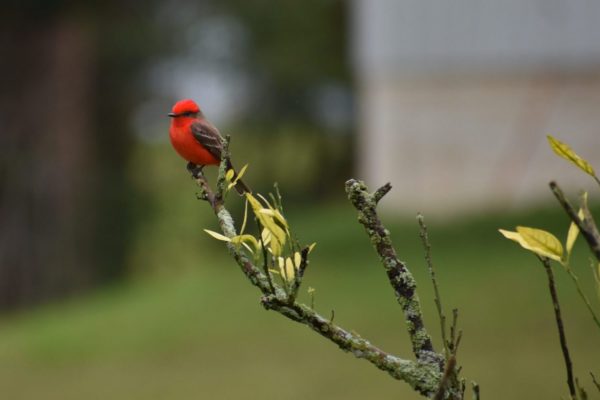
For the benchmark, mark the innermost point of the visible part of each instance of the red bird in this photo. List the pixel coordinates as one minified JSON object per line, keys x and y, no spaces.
{"x":197,"y":140}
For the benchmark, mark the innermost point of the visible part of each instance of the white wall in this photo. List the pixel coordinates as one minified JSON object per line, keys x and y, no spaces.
{"x":452,"y":146}
{"x":454,"y":129}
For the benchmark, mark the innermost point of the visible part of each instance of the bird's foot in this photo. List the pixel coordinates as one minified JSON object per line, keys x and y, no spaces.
{"x":194,"y":169}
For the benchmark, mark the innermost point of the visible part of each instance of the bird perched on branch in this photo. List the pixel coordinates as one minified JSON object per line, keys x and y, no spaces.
{"x":197,"y":140}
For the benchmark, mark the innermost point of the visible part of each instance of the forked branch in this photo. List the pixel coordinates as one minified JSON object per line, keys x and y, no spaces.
{"x":425,"y":375}
{"x":400,"y":278}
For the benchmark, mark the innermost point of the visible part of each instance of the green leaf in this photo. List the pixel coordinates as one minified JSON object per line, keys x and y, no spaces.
{"x":515,"y":236}
{"x":286,"y":267}
{"x":564,"y":151}
{"x":218,"y":236}
{"x":245,"y":217}
{"x":229,"y":175}
{"x":241,"y":173}
{"x":290,"y":269}
{"x":573,"y":233}
{"x":244,"y":239}
{"x":267,"y":218}
{"x":266,"y":236}
{"x":542,"y":242}
{"x":537,"y":249}
{"x":276,"y":247}
{"x":297,"y":259}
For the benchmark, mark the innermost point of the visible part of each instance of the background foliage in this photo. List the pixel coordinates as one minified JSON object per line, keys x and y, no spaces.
{"x":111,"y":289}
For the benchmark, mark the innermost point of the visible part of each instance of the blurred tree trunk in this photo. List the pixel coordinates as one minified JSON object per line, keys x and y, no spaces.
{"x":67,"y":88}
{"x":44,"y":248}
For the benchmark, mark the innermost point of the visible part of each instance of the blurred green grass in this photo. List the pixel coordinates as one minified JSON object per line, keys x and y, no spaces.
{"x":187,"y":324}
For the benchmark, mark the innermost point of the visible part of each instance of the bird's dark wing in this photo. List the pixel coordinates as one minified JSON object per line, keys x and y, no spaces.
{"x":208,"y":136}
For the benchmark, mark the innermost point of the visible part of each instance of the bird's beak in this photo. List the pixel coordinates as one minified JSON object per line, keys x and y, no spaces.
{"x":172,"y":114}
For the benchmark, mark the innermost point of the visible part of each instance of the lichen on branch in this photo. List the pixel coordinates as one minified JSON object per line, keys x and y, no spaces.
{"x":399,"y":276}
{"x":425,"y":375}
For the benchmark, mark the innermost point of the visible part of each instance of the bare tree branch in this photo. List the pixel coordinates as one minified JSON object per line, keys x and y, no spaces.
{"x":587,"y":226}
{"x":437,"y":298}
{"x":399,"y":276}
{"x":561,"y":329}
{"x":449,"y":373}
{"x":476,"y":391}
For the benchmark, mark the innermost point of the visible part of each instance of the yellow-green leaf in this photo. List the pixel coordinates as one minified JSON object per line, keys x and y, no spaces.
{"x":276,"y":217}
{"x":290,"y":271}
{"x":573,"y":232}
{"x":286,"y":268}
{"x":311,"y":290}
{"x":264,"y":200}
{"x":266,"y":236}
{"x":564,"y":151}
{"x":297,"y":259}
{"x":277,"y":234}
{"x":276,"y":247}
{"x":241,"y":173}
{"x":267,"y":217}
{"x":542,"y":242}
{"x":517,"y":237}
{"x":245,"y":217}
{"x":267,"y":211}
{"x":243,"y":239}
{"x":571,"y":237}
{"x":253,"y":202}
{"x":263,"y":212}
{"x":218,"y":236}
{"x":282,"y":221}
{"x":248,"y":247}
{"x":276,"y":231}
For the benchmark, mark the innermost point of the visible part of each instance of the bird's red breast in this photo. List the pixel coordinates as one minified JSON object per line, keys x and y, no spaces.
{"x":186,"y":145}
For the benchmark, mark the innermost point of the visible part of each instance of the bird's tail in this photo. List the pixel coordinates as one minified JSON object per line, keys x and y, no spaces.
{"x":240,"y":186}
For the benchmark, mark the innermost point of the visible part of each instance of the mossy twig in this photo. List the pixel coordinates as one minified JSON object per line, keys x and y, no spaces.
{"x":423,"y":375}
{"x":420,"y":376}
{"x":400,"y":278}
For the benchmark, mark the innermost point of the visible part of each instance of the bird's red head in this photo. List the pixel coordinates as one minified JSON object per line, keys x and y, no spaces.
{"x":185,"y":108}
